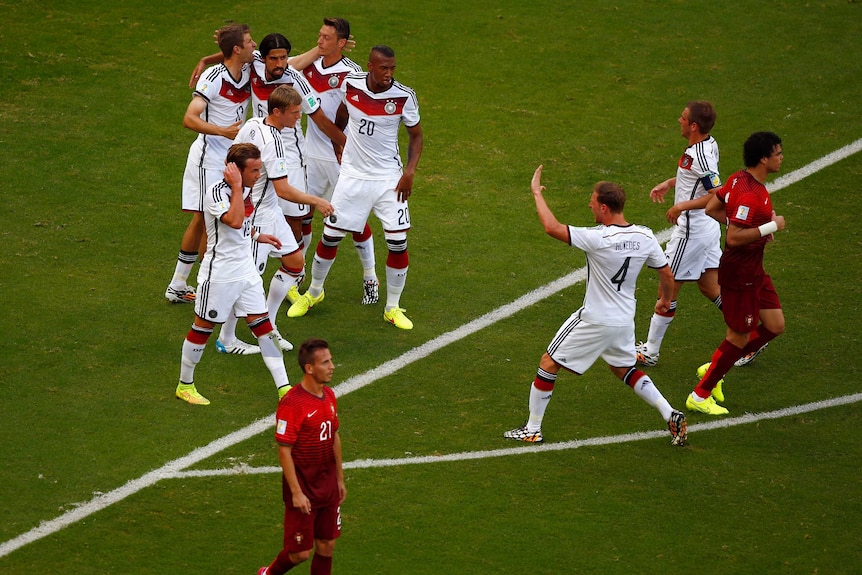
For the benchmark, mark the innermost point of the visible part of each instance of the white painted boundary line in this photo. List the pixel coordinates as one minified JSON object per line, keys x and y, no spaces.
{"x":564,"y":445}
{"x":169,"y":470}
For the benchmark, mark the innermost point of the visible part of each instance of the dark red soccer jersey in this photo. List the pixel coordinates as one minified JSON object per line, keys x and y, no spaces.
{"x":747,"y":205}
{"x":308,"y":424}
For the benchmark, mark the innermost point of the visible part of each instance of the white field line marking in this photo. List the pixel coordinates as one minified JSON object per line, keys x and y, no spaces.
{"x":101,"y":501}
{"x":563,"y":445}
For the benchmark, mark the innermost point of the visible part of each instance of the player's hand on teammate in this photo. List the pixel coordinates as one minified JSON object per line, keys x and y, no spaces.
{"x":268,"y":239}
{"x":196,"y":74}
{"x":324,"y":207}
{"x":673,"y":214}
{"x":231,"y":131}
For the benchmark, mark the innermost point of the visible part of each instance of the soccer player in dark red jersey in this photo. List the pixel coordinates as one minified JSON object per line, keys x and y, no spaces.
{"x":750,"y":304}
{"x":310,"y":452}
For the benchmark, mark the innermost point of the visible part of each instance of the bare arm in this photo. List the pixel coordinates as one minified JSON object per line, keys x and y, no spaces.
{"x":235,"y":215}
{"x":738,"y":237}
{"x":304,"y":60}
{"x":284,"y":190}
{"x":715,"y":209}
{"x":552,"y":227}
{"x":666,"y":288}
{"x":300,"y":501}
{"x":700,"y":203}
{"x":658,"y":192}
{"x":327,"y":127}
{"x":342,"y":488}
{"x":193,"y":121}
{"x":202,"y":65}
{"x":414,"y":150}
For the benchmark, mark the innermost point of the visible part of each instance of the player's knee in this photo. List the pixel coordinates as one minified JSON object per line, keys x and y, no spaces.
{"x":396,"y":242}
{"x":300,"y":557}
{"x":325,"y":547}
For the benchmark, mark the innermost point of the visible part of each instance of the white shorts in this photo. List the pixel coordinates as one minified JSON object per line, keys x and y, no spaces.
{"x":197,"y":180}
{"x":690,"y":257}
{"x":354,"y":199}
{"x":296,"y":178}
{"x":280,"y":229}
{"x":578,"y":344}
{"x":215,"y":300}
{"x":322,"y":175}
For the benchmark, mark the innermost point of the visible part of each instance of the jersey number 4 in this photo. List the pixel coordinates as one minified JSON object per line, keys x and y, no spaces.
{"x":620,"y":276}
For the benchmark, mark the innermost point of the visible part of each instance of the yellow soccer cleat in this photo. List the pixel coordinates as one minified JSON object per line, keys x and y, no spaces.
{"x":188,"y":393}
{"x":282,"y":391}
{"x":717,"y":392}
{"x":305,"y":302}
{"x":396,"y":317}
{"x":292,"y":294}
{"x":707,"y":406}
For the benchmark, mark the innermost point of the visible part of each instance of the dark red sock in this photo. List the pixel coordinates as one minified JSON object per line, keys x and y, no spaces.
{"x":760,"y":338}
{"x":321,"y":565}
{"x":282,"y":564}
{"x":722,"y":360}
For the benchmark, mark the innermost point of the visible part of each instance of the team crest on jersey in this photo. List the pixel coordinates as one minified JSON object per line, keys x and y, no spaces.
{"x":742,"y":213}
{"x":685,"y":162}
{"x":390,"y":107}
{"x":333,"y":81}
{"x":281,"y":426}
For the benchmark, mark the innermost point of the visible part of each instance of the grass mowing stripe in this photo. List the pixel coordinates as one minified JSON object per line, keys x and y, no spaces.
{"x":559,"y":446}
{"x":171,"y":468}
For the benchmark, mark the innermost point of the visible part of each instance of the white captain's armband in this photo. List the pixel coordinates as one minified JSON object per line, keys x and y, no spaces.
{"x":711,"y":181}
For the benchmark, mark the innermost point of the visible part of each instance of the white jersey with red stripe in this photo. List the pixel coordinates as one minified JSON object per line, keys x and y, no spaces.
{"x":227,"y":103}
{"x":696,"y":174}
{"x":326,"y":81}
{"x":615,"y":257}
{"x":228,"y":256}
{"x":261,"y":89}
{"x":372,"y":152}
{"x":272,"y":155}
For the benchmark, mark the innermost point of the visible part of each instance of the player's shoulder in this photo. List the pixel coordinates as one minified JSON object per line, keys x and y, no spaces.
{"x":396,"y":85}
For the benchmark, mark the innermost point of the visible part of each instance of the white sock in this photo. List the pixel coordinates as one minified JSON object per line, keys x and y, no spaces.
{"x":539,"y":401}
{"x":192,"y":353}
{"x":273,"y":359}
{"x":365,"y":250}
{"x":395,"y":280}
{"x":227,"y":335}
{"x":646,"y":390}
{"x":658,"y":325}
{"x":319,"y":270}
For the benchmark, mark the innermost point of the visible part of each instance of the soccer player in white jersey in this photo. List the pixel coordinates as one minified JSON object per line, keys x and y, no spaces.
{"x":604,"y":325}
{"x":695,"y":244}
{"x":372,"y":177}
{"x":228,"y":282}
{"x":284,"y":106}
{"x":271,"y":69}
{"x":217,"y":111}
{"x":325,"y":75}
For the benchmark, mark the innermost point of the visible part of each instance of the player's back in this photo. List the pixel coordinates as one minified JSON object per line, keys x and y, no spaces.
{"x":615,"y":257}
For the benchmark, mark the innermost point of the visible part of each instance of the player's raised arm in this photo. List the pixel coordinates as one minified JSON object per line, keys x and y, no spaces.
{"x":552,"y":226}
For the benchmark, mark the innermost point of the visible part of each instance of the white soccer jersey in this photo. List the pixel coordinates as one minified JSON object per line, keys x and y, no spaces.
{"x":268,"y":140}
{"x":615,"y":257}
{"x":372,"y":152}
{"x":696,"y":174}
{"x":228,"y":256}
{"x":227,"y":103}
{"x":326,"y":81}
{"x":261,"y":89}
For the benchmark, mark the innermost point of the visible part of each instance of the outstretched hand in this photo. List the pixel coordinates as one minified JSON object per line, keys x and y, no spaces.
{"x":536,"y":183}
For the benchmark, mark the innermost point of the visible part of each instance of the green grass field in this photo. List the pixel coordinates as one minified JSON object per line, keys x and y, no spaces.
{"x":91,"y":104}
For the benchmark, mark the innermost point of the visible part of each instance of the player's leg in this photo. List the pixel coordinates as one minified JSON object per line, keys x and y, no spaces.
{"x":395,"y":218}
{"x":648,"y":352}
{"x":771,"y":323}
{"x":364,"y":244}
{"x":251,"y":305}
{"x":293,"y":552}
{"x":327,"y":528}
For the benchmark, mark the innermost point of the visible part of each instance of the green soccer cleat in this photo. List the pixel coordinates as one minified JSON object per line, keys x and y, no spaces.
{"x":188,"y":393}
{"x":707,"y":406}
{"x":282,"y":391}
{"x":396,"y":317}
{"x":305,"y":302}
{"x":717,"y":392}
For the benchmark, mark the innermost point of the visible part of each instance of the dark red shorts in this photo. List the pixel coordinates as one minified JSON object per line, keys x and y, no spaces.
{"x":741,"y":307}
{"x":300,"y":530}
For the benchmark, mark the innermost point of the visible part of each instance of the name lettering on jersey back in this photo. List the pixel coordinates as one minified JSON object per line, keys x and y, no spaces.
{"x":627,"y":246}
{"x":375,"y":106}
